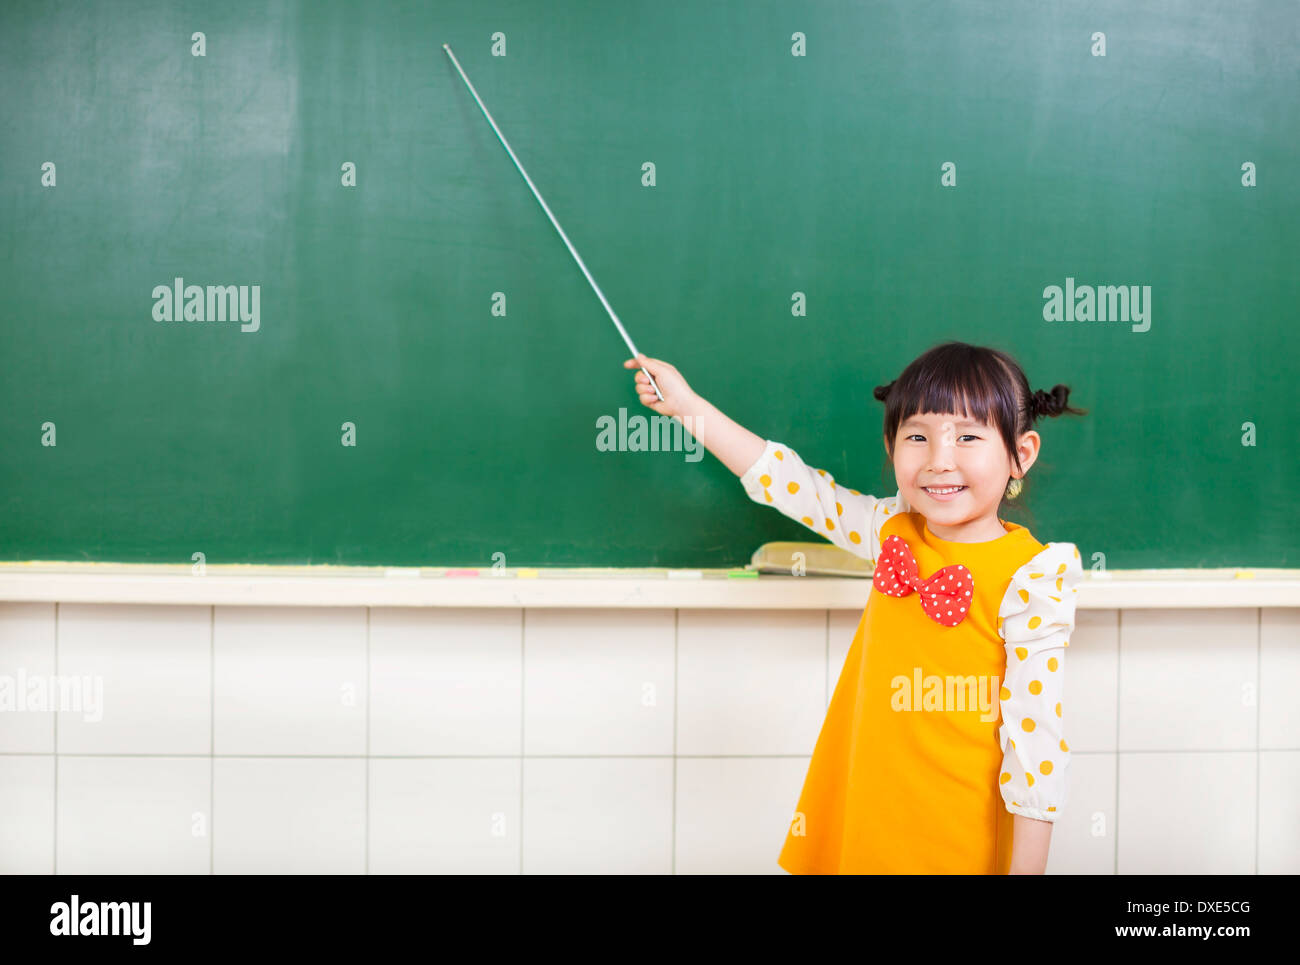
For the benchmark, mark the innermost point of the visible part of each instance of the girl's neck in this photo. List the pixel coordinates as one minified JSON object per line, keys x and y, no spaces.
{"x":975,"y":531}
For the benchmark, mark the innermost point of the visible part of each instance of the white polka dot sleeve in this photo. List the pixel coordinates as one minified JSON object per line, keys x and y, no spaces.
{"x":1036,"y":619}
{"x":846,"y":517}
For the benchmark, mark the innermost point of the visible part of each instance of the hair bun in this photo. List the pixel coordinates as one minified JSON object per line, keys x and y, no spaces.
{"x":1049,"y":403}
{"x":882,"y":391}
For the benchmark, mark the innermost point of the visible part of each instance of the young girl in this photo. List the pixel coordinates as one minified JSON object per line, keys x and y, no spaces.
{"x":967,"y":621}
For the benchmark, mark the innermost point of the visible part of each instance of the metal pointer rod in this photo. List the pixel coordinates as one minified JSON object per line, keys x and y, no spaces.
{"x":573,"y":251}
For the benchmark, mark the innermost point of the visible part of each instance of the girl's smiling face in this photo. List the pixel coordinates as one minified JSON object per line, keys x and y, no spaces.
{"x":942,"y":451}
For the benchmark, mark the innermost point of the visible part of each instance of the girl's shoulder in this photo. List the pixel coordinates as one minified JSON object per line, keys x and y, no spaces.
{"x":1041,"y":594}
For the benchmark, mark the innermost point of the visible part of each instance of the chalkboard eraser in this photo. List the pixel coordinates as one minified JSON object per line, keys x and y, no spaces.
{"x":685,"y":574}
{"x":402,"y":571}
{"x":733,"y":574}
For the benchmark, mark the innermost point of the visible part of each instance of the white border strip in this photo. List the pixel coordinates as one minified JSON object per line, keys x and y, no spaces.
{"x":381,"y":586}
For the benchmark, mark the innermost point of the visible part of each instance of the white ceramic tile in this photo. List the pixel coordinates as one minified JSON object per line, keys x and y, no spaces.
{"x":1279,"y":678}
{"x":733,"y":813}
{"x":843,"y":626}
{"x":290,"y":680}
{"x":598,"y":816}
{"x":26,"y":657}
{"x":450,"y":682}
{"x":445,"y":816}
{"x":445,"y":681}
{"x":289,"y":816}
{"x":150,"y":666}
{"x":27,"y":815}
{"x":750,"y":682}
{"x":1279,"y":806}
{"x":1089,"y":705}
{"x":1187,"y":679}
{"x":1187,"y":813}
{"x":598,"y":681}
{"x":1083,"y":835}
{"x":134,"y":815}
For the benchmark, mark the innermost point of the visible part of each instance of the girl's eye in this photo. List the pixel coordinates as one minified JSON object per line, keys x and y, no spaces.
{"x":917,"y":435}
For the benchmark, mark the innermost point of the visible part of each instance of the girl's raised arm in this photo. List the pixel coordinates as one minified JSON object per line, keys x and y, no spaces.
{"x":734,"y":445}
{"x":849,"y":519}
{"x":771,"y":473}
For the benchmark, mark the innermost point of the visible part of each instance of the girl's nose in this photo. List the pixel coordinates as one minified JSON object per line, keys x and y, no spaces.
{"x":942,"y":461}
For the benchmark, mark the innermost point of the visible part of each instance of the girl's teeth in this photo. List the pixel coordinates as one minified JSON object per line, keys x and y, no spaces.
{"x":942,"y":492}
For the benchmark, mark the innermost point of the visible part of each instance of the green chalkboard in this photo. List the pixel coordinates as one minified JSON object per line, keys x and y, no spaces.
{"x":918,"y":171}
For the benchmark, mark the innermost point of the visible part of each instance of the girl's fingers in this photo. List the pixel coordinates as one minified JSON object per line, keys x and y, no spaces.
{"x":645,"y":391}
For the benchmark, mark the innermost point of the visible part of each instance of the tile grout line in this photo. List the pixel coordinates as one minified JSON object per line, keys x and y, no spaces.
{"x":367,"y":807}
{"x":523,"y":676}
{"x":203,"y":756}
{"x":673,"y":827}
{"x":56,"y":746}
{"x":1119,"y":648}
{"x":212,"y":738}
{"x":159,"y":755}
{"x":826,"y":670}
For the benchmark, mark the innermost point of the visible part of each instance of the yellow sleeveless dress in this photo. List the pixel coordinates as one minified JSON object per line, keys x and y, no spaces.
{"x":914,"y":791}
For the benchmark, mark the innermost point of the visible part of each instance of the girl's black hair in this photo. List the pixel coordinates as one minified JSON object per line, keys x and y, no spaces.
{"x":982,"y":383}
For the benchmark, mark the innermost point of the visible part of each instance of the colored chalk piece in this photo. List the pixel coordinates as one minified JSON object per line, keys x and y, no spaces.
{"x":741,"y":573}
{"x":402,"y":571}
{"x":1245,"y":574}
{"x":685,"y":574}
{"x":527,"y":574}
{"x":461,"y":573}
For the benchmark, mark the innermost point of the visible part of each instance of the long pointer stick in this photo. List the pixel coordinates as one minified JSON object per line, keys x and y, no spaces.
{"x":573,"y":251}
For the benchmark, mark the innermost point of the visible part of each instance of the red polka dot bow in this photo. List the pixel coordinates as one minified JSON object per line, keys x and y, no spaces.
{"x":945,"y":597}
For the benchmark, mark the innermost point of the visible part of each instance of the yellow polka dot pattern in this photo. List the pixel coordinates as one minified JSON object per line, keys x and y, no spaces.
{"x":782,"y":480}
{"x":1035,"y":621}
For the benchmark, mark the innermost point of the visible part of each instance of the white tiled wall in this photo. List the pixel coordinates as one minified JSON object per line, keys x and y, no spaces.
{"x":259,"y":739}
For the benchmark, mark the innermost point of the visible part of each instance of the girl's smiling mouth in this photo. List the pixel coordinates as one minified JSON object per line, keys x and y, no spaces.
{"x":943,"y":493}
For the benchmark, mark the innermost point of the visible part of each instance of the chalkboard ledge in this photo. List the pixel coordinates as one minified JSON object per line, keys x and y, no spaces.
{"x":250,"y":585}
